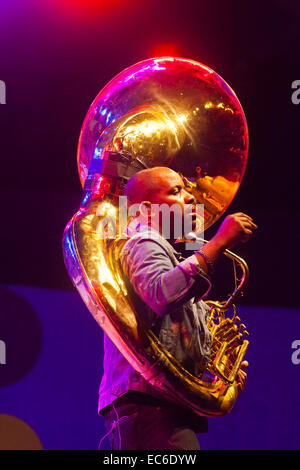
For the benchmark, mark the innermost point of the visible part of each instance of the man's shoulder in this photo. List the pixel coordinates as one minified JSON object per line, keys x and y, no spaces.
{"x":145,"y":235}
{"x":147,"y":244}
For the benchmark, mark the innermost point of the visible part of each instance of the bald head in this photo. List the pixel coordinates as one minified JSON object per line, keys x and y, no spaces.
{"x":164,"y":189}
{"x":143,"y":185}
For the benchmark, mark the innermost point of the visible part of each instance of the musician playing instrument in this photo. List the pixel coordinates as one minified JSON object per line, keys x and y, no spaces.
{"x":168,"y":294}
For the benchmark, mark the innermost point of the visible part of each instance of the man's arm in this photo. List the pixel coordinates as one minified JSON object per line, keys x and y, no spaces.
{"x":160,"y":284}
{"x":236,"y":228}
{"x":154,"y":278}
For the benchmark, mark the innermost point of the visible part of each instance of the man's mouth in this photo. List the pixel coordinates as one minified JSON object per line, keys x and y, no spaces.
{"x":192,"y":212}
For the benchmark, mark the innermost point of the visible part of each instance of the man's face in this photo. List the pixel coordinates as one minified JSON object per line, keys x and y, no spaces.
{"x":168,"y":188}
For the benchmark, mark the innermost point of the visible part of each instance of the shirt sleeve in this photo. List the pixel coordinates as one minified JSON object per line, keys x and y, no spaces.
{"x":154,"y":278}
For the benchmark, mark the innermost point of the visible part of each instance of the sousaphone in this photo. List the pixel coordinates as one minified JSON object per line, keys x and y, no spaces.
{"x":180,"y":114}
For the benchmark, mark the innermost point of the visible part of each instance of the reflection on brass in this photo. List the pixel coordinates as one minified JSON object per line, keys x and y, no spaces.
{"x":160,"y":112}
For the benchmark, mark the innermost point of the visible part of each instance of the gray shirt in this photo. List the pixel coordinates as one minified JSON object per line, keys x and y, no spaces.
{"x":166,"y":290}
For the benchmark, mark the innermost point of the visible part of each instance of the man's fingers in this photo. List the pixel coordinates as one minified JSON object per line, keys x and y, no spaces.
{"x":246,"y":235}
{"x":249,"y":223}
{"x":248,"y":231}
{"x":242,"y":376}
{"x":245,"y":218}
{"x":241,"y":215}
{"x":242,"y":381}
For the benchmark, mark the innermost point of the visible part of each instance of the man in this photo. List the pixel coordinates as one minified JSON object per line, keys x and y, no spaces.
{"x":167,"y":291}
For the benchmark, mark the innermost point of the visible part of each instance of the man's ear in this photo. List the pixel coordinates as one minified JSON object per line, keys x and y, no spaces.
{"x":144,"y":208}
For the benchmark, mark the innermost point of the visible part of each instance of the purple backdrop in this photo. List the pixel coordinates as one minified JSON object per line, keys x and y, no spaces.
{"x":58,"y":347}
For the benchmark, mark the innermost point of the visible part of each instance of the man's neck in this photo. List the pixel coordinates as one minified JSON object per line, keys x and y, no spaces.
{"x":148,"y":226}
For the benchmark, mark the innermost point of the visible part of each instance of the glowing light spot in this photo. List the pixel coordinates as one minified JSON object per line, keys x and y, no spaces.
{"x":88,"y":8}
{"x":182,"y":118}
{"x":167,"y":49}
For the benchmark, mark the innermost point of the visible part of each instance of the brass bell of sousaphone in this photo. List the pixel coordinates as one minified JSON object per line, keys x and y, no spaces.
{"x":180,"y":114}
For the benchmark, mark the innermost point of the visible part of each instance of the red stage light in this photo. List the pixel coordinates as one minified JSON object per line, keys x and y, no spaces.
{"x":167,"y":49}
{"x":89,"y":7}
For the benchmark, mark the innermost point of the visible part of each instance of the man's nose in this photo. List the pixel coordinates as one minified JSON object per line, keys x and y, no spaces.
{"x":189,"y":198}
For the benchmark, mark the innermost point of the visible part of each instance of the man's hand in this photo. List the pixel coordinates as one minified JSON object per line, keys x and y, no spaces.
{"x":236,"y":228}
{"x":242,"y":376}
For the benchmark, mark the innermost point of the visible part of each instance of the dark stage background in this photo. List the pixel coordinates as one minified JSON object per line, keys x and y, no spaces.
{"x":55,"y":56}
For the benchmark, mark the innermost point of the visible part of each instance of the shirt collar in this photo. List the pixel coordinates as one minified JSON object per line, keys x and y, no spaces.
{"x":140,"y":228}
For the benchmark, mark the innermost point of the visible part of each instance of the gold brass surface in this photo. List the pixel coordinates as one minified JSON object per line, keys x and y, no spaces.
{"x":161,"y":112}
{"x":171,"y":112}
